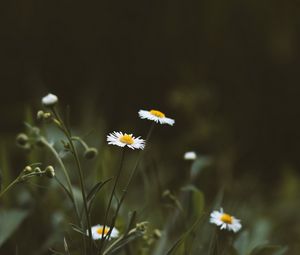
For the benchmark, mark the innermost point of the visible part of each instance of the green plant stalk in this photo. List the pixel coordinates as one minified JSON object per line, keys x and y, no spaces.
{"x":110,"y":201}
{"x":10,"y":186}
{"x":73,"y":200}
{"x":75,"y":154}
{"x":78,"y":139}
{"x":129,"y":182}
{"x":60,"y":162}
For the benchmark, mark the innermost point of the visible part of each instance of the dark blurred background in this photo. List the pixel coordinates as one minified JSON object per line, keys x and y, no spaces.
{"x":227,"y":71}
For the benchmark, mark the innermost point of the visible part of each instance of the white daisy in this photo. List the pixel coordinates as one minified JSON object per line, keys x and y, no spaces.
{"x":120,"y":139}
{"x":98,"y":229}
{"x":225,"y":221}
{"x":49,"y":100}
{"x":156,"y":116}
{"x":190,"y":155}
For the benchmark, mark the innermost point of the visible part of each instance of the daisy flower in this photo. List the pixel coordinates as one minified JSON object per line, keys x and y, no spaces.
{"x":49,"y":100}
{"x":120,"y":139}
{"x":190,"y":155}
{"x":98,"y":229}
{"x":156,"y":116}
{"x":225,"y":221}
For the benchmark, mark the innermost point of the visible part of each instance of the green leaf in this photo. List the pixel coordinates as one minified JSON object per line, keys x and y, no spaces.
{"x":77,"y":229}
{"x":116,"y":246}
{"x":93,"y":192}
{"x":10,"y":220}
{"x":183,"y":236}
{"x":197,"y":199}
{"x":268,"y":249}
{"x":131,"y":222}
{"x":241,"y":244}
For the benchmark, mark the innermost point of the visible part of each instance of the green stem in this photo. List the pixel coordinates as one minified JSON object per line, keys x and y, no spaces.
{"x":70,"y":189}
{"x":62,"y":166}
{"x":75,"y":155}
{"x":129,"y":181}
{"x":78,"y":139}
{"x":103,"y":238}
{"x":9,"y":186}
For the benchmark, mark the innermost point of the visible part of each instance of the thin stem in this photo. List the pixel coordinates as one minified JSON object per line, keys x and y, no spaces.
{"x":9,"y":186}
{"x":129,"y":181}
{"x":75,"y":155}
{"x":62,"y":166}
{"x":110,"y":200}
{"x":69,"y":189}
{"x":78,"y":139}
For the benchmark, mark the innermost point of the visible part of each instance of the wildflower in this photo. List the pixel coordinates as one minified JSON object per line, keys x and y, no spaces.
{"x":190,"y":155}
{"x":49,"y":100}
{"x":120,"y":139}
{"x":97,"y":231}
{"x":156,"y":116}
{"x":225,"y":221}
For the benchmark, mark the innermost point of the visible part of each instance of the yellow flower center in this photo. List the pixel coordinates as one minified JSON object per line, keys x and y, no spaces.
{"x":126,"y":139}
{"x":157,"y":113}
{"x":226,"y":218}
{"x":100,"y":230}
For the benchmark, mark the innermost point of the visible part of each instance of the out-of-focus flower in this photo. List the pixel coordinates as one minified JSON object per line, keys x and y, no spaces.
{"x":156,"y":116}
{"x":190,"y":155}
{"x":49,"y":100}
{"x":120,"y":139}
{"x":97,"y":231}
{"x":225,"y":221}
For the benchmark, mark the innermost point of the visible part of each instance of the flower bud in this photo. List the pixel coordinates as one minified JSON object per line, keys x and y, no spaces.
{"x":35,"y":130}
{"x":27,"y":170}
{"x":190,"y":155}
{"x":37,"y":170}
{"x":40,"y":115}
{"x":39,"y":142}
{"x":157,"y":233}
{"x":90,"y":153}
{"x":49,"y":100}
{"x":142,"y":226}
{"x":22,"y":139}
{"x":50,"y":172}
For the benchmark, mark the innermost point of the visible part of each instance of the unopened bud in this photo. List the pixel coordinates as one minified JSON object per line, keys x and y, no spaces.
{"x":142,"y":226}
{"x":35,"y":130}
{"x":49,"y":100}
{"x":39,"y":143}
{"x":27,"y":170}
{"x":40,"y":115}
{"x":37,"y":170}
{"x":50,"y":172}
{"x":90,"y":153}
{"x":157,"y":234}
{"x":166,"y":193}
{"x":22,"y":139}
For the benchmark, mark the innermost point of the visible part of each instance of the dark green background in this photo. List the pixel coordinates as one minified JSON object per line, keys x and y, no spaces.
{"x":233,"y":62}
